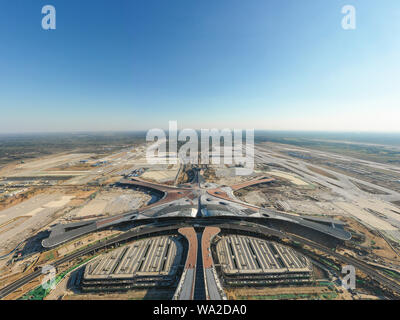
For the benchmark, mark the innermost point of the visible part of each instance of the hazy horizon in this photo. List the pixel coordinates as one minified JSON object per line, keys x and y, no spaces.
{"x":379,"y":138}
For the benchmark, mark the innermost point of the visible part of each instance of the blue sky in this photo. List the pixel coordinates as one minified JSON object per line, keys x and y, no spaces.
{"x":263,"y":64}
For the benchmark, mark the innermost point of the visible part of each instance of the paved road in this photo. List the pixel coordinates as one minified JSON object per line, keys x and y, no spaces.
{"x":199,"y":285}
{"x":12,"y":251}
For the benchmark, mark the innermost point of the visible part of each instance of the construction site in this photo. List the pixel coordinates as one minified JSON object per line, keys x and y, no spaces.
{"x":120,"y":228}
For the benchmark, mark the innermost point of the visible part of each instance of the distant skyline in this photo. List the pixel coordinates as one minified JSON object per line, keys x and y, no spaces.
{"x":263,"y":64}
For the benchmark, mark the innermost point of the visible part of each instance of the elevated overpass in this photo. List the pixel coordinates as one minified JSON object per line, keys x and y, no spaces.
{"x":186,"y":286}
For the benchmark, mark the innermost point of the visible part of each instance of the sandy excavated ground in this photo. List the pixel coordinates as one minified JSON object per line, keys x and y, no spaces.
{"x":365,"y":216}
{"x":227,"y":176}
{"x":315,"y":207}
{"x":111,"y":203}
{"x":29,"y":216}
{"x":292,"y":178}
{"x":384,"y":251}
{"x":37,"y":166}
{"x":159,"y":176}
{"x":255,"y":197}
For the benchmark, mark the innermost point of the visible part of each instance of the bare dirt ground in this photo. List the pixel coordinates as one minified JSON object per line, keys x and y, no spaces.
{"x":293,"y":198}
{"x":111,"y":202}
{"x":30,"y":216}
{"x":12,"y":201}
{"x":223,"y":175}
{"x":372,"y":240}
{"x":255,"y":197}
{"x":160,"y":175}
{"x":148,"y":294}
{"x":290,"y":177}
{"x":37,"y":166}
{"x":253,"y":293}
{"x":320,"y":171}
{"x":364,"y":216}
